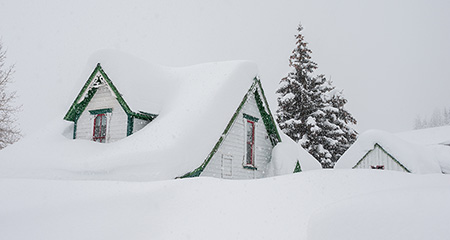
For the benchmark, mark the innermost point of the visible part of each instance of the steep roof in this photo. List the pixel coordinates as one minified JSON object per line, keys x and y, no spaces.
{"x":194,"y":104}
{"x":414,"y":157}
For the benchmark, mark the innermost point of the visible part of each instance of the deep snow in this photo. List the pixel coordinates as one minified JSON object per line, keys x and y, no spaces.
{"x":316,"y":205}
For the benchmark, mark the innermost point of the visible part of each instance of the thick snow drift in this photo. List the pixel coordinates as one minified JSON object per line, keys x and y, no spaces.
{"x":316,"y":205}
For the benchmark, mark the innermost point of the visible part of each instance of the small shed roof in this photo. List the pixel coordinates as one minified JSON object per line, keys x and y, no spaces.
{"x":414,"y":157}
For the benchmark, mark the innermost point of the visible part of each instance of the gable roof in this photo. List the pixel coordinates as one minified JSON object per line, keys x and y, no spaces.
{"x":88,"y":91}
{"x":412,"y":157}
{"x":194,"y":105}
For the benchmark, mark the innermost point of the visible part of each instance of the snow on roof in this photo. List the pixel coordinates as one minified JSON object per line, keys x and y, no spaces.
{"x":144,"y":87}
{"x":414,"y":157}
{"x":285,"y":156}
{"x":194,"y":106}
{"x":436,"y":139}
{"x":427,"y":136}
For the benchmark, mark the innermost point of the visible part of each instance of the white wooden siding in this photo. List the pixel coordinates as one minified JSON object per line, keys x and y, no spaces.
{"x":116,"y":127}
{"x":233,"y":146}
{"x":377,"y":157}
{"x":139,"y":124}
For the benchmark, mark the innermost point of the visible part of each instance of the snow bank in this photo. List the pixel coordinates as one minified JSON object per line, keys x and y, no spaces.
{"x":414,"y":157}
{"x":436,"y":140}
{"x":285,"y":156}
{"x":427,"y":136}
{"x":316,"y":205}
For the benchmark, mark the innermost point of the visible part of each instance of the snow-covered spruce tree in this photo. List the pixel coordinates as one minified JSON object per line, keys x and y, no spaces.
{"x":294,"y":102}
{"x":339,"y":135}
{"x":311,"y":111}
{"x":8,"y":131}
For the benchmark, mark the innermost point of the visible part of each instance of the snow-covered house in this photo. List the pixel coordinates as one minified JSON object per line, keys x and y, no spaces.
{"x":381,"y":150}
{"x":205,"y":120}
{"x":101,"y":113}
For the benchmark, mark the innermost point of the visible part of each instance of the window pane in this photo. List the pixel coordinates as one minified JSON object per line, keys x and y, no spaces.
{"x":100,"y":128}
{"x":250,"y":142}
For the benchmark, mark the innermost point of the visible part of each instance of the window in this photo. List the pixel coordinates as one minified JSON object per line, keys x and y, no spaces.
{"x":378,"y":167}
{"x":250,"y":143}
{"x":99,"y":128}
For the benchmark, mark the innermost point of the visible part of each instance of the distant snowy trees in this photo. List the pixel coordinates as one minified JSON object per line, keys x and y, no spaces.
{"x":311,"y":111}
{"x":437,"y":119}
{"x":8,"y":130}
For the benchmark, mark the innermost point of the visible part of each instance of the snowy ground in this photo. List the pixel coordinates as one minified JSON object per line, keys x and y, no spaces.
{"x":316,"y":205}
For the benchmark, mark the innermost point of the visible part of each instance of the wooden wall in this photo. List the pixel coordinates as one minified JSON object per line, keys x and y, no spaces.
{"x":117,"y":120}
{"x":228,"y":162}
{"x":378,"y":157}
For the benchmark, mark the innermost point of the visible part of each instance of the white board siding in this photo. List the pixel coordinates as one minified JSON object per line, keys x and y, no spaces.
{"x":117,"y":120}
{"x":138,"y":124}
{"x":233,"y":146}
{"x":377,"y":157}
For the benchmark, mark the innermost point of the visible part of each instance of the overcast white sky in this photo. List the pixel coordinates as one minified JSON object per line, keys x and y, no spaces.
{"x":392,"y":58}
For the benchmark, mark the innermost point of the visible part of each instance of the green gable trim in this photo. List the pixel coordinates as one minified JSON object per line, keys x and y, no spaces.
{"x":196,"y":172}
{"x":77,"y":108}
{"x":268,"y":120}
{"x":382,"y":149}
{"x":73,"y":110}
{"x":130,"y":125}
{"x":297,"y":168}
{"x":101,"y":111}
{"x":251,"y":118}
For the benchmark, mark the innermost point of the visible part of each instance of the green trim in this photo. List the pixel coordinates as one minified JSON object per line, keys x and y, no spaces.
{"x":297,"y":168}
{"x":77,"y":109}
{"x":100,"y":111}
{"x":196,"y":172}
{"x":75,"y":129}
{"x":382,"y":149}
{"x":268,"y":120}
{"x":251,"y":167}
{"x":251,"y":118}
{"x":270,"y":117}
{"x":130,"y":125}
{"x":144,"y":115}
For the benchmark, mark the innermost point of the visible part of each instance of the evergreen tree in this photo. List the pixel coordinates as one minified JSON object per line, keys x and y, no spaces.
{"x":295,"y":103}
{"x":340,"y":133}
{"x":311,"y":111}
